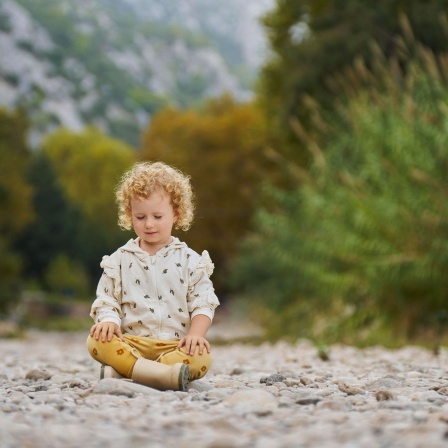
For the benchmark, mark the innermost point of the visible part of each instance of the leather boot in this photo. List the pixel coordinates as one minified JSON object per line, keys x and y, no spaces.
{"x":160,"y":376}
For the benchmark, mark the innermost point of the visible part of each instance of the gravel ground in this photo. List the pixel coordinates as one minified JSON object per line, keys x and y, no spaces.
{"x":280,"y":395}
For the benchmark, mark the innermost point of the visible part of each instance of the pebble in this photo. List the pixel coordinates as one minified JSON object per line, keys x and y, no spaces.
{"x":258,"y":398}
{"x":383,"y":395}
{"x":38,"y":374}
{"x":275,"y":378}
{"x":281,"y":395}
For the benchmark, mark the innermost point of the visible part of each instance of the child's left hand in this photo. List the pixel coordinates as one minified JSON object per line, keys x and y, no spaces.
{"x":191,"y":341}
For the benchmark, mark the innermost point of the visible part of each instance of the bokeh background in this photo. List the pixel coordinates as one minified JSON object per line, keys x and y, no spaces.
{"x":315,"y":132}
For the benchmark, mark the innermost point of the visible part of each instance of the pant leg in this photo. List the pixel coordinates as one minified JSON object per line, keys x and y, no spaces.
{"x":199,"y":364}
{"x":115,"y":353}
{"x":166,"y":352}
{"x":122,"y":355}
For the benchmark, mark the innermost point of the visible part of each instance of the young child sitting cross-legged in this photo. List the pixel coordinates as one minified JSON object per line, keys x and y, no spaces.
{"x":155,"y":300}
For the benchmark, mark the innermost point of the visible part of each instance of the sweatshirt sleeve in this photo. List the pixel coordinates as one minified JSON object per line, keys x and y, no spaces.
{"x":106,"y":307}
{"x":201,"y":296}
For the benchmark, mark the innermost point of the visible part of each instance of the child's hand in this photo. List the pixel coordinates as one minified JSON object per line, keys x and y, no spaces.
{"x":191,"y":341}
{"x":106,"y":330}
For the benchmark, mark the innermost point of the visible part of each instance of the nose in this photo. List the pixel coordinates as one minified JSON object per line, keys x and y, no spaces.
{"x":149,"y":223}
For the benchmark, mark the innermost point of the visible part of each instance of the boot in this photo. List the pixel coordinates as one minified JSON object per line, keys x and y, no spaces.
{"x":109,"y":372}
{"x":160,"y":376}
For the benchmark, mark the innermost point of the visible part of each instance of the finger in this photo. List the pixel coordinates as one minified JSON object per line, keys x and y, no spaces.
{"x":92,"y":330}
{"x":110,"y":333}
{"x":188,"y":346}
{"x":201,"y":346}
{"x":97,"y":332}
{"x":193,"y":345}
{"x":181,"y":343}
{"x":207,"y":345}
{"x":120,"y":335}
{"x":104,"y":333}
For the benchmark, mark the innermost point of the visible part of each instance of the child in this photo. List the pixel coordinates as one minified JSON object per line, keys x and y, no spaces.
{"x":155,"y":301}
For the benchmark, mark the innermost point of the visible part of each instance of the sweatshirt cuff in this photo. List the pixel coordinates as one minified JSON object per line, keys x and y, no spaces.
{"x":205,"y":311}
{"x":115,"y":320}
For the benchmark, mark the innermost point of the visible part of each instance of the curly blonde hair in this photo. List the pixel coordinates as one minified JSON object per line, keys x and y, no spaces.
{"x":146,"y":177}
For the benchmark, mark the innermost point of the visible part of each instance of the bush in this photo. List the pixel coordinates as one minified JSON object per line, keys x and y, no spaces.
{"x":67,"y":277}
{"x":359,"y":252}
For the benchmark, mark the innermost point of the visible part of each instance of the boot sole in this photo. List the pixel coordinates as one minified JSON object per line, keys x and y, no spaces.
{"x":184,"y":377}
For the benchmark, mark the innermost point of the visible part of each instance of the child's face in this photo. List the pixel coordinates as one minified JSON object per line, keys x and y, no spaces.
{"x":153,"y":219}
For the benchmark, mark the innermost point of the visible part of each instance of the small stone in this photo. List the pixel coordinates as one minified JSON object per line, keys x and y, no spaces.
{"x":256,"y":398}
{"x":129,"y":389}
{"x":200,"y":386}
{"x":420,"y":416}
{"x":383,"y":395}
{"x":436,"y":388}
{"x":274,"y":378}
{"x":414,"y":374}
{"x":237,"y":371}
{"x":38,"y":374}
{"x":308,"y":400}
{"x":320,"y":379}
{"x":78,"y":383}
{"x":305,"y":381}
{"x":199,"y":397}
{"x":349,"y":389}
{"x":384,"y":384}
{"x":334,"y":405}
{"x":444,"y":413}
{"x":443,"y":391}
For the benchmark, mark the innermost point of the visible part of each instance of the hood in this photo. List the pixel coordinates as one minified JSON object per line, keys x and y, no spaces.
{"x":132,"y":246}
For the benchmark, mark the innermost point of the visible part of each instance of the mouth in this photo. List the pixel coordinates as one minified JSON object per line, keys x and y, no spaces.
{"x":150,"y":233}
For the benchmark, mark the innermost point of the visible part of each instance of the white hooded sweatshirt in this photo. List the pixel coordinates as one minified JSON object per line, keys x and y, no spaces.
{"x":155,"y":295}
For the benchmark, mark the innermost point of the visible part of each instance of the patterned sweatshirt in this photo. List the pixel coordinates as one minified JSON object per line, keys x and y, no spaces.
{"x":155,"y":295}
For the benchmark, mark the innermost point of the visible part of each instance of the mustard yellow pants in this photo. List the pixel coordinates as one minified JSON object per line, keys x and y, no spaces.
{"x":122,"y":356}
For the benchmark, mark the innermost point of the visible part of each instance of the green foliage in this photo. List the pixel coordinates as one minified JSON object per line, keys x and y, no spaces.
{"x":222,"y":148}
{"x":14,"y":191}
{"x":57,"y":221}
{"x":88,"y":166}
{"x":10,"y":266}
{"x":73,"y":177}
{"x":313,"y":41}
{"x":359,"y":252}
{"x":15,"y":204}
{"x":66,"y":277}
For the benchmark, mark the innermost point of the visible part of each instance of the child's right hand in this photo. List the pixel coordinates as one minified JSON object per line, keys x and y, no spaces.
{"x":106,"y":330}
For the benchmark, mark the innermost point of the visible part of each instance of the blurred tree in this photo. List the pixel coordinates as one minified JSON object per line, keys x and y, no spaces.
{"x":15,"y":206}
{"x":66,"y":277}
{"x":15,"y":192}
{"x":311,"y":41}
{"x":222,"y":148}
{"x":360,"y":250}
{"x":88,"y":166}
{"x":57,"y":223}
